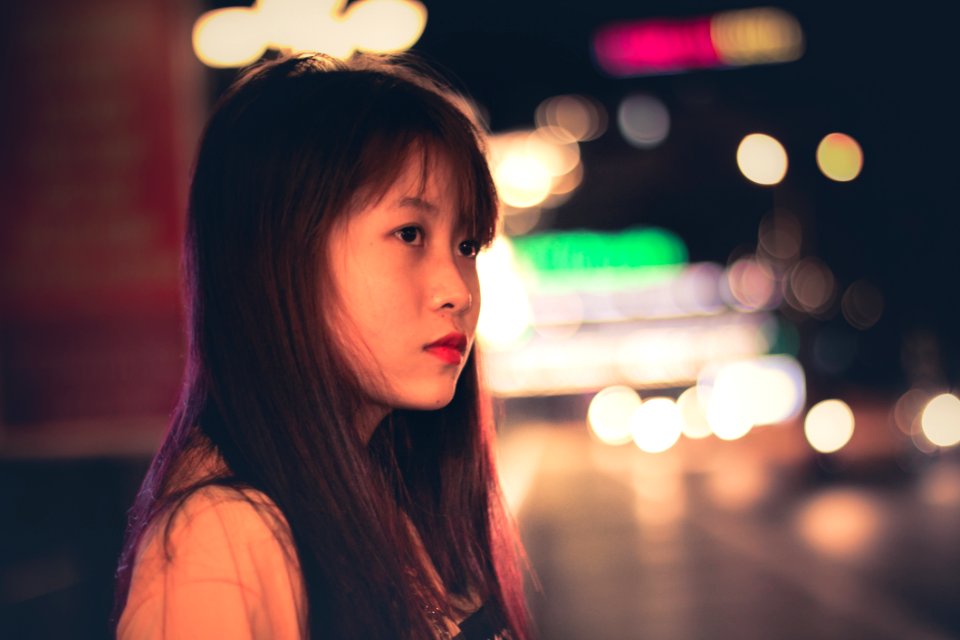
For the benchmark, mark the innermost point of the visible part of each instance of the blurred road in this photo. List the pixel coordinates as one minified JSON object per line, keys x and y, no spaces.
{"x":747,"y":539}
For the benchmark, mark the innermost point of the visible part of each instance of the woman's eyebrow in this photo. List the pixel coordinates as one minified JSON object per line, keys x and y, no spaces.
{"x":420,"y":204}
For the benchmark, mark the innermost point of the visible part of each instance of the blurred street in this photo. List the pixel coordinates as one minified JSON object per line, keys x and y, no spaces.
{"x":742,"y":539}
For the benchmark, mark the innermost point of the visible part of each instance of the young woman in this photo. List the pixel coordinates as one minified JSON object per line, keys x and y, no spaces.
{"x":328,"y":472}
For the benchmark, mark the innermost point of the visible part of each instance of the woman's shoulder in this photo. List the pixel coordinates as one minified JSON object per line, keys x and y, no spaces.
{"x":218,"y":523}
{"x":227,"y":548}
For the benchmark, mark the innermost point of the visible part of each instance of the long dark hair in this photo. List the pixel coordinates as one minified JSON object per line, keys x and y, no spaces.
{"x":293,"y":145}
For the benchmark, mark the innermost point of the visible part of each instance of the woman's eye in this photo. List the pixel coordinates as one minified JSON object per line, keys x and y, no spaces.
{"x":469,"y":248}
{"x":410,"y":235}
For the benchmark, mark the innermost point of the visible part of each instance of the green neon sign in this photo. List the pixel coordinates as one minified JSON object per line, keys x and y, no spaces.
{"x":595,"y":260}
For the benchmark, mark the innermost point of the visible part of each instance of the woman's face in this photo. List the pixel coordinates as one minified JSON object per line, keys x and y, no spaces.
{"x":406,"y":281}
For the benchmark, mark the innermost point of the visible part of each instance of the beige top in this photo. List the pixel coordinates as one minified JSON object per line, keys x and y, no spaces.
{"x":228,"y":574}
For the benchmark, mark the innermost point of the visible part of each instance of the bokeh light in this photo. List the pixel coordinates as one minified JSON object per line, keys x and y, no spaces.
{"x":908,"y":409}
{"x":941,"y":420}
{"x":556,"y":156}
{"x":694,"y":416}
{"x":237,"y":36}
{"x":531,"y":167}
{"x":753,"y":36}
{"x":829,"y":425}
{"x":742,"y":394}
{"x":751,"y":285}
{"x":780,"y":236}
{"x":656,"y":425}
{"x":228,"y":37}
{"x":940,"y":486}
{"x":581,"y":117}
{"x":610,"y":414}
{"x":738,"y":481}
{"x":839,"y":157}
{"x":698,"y":289}
{"x":522,"y":181}
{"x":810,"y":286}
{"x":384,"y":25}
{"x":862,"y":305}
{"x":516,"y":222}
{"x":643,"y":120}
{"x":842,"y":523}
{"x":762,"y":159}
{"x":505,"y":314}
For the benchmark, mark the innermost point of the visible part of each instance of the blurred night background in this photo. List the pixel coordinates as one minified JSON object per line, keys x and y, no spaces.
{"x":727,"y":393}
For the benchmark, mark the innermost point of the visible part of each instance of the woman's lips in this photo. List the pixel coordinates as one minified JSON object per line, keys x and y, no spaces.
{"x":450,"y":348}
{"x":447,"y":354}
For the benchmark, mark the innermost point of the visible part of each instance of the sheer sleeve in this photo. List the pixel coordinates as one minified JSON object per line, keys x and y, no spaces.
{"x":226,"y":571}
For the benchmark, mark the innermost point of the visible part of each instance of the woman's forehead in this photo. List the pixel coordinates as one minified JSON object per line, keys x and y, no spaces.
{"x":425,"y":182}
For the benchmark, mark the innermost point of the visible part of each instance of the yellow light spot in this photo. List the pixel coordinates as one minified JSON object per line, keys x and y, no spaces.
{"x":656,"y":425}
{"x":839,"y":157}
{"x":941,"y":420}
{"x":610,"y":413}
{"x":751,"y":36}
{"x":762,"y":159}
{"x":828,"y":426}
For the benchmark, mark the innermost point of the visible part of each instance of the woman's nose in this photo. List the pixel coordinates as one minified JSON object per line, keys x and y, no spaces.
{"x":449,"y":287}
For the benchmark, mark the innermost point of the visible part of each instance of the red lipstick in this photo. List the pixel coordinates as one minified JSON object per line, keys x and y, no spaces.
{"x":450,"y":348}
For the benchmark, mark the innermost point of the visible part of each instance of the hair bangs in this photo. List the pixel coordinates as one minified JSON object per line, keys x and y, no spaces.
{"x":412,"y":122}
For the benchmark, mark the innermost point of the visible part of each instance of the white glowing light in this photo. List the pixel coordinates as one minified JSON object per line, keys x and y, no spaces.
{"x":385,"y":25}
{"x":237,"y":36}
{"x":941,"y":420}
{"x":656,"y":425}
{"x":692,"y":411}
{"x":529,"y":166}
{"x":610,"y":413}
{"x":762,"y":159}
{"x":743,"y":394}
{"x":829,"y":425}
{"x":505,"y":314}
{"x":556,"y":157}
{"x":228,"y":38}
{"x":522,"y":181}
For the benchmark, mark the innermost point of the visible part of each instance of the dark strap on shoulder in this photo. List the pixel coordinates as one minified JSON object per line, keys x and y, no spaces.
{"x":485,"y":623}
